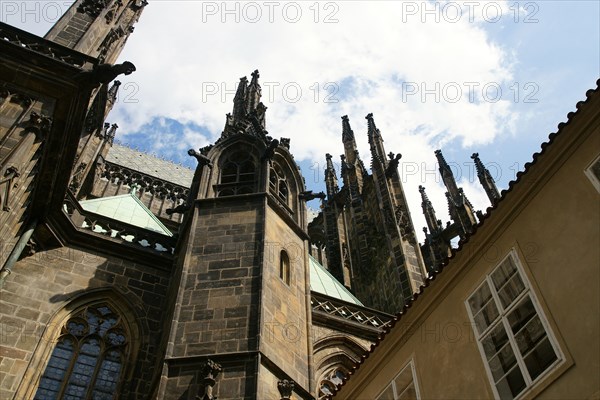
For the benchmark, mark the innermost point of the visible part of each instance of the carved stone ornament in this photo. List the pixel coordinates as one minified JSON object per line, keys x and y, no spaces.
{"x":93,"y":8}
{"x":106,"y":73}
{"x":210,"y":370}
{"x":285,"y":388}
{"x":39,"y":124}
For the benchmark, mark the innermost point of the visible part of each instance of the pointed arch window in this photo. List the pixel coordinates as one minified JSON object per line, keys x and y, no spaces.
{"x":278,"y":184}
{"x":284,"y":267}
{"x":88,"y":359}
{"x":238,"y":174}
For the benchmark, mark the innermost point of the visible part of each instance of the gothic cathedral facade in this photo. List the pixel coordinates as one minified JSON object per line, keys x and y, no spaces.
{"x":121,"y":280}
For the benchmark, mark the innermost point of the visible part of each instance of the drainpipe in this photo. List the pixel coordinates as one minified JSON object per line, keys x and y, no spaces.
{"x":16,"y":252}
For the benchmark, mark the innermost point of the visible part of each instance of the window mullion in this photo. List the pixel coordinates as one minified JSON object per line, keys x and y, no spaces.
{"x":96,"y":369}
{"x":69,"y":371}
{"x":504,"y":320}
{"x":515,"y":347}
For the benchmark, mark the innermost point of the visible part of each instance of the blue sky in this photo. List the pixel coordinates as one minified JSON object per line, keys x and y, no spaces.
{"x":419,"y":67}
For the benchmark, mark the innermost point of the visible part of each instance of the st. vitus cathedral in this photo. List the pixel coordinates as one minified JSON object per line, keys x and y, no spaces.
{"x":127,"y":276}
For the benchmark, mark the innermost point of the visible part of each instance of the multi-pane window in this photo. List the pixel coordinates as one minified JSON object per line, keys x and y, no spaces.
{"x":87,"y":361}
{"x":402,"y":387}
{"x":511,"y":331}
{"x":238,"y":174}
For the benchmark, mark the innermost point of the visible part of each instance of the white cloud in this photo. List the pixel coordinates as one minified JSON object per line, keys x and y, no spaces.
{"x":368,"y":54}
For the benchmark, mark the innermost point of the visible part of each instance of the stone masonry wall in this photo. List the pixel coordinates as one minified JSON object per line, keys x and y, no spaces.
{"x":284,"y":336}
{"x":43,"y":284}
{"x":216,"y":311}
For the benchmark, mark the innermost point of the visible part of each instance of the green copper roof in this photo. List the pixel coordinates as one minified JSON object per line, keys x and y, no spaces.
{"x":126,"y":208}
{"x":321,"y":281}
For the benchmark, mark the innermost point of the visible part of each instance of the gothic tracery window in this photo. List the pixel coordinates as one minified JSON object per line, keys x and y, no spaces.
{"x":238,"y":174}
{"x":89,"y":356}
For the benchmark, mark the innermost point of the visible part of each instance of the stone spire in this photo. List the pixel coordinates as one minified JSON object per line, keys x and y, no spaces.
{"x":347,"y":132}
{"x":436,"y":247}
{"x":239,"y":100}
{"x":330,"y":178}
{"x":459,"y":207}
{"x":447,"y":175}
{"x":433,"y":223}
{"x":254,"y":93}
{"x":355,"y":167}
{"x":378,"y":157}
{"x":335,"y":263}
{"x":248,"y":115}
{"x":486,"y":180}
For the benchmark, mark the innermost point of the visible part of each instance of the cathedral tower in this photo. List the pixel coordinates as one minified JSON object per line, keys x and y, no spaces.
{"x":371,"y":242}
{"x":100,"y":29}
{"x":243,"y":298}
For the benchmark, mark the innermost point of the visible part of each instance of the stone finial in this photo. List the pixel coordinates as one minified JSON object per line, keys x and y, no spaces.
{"x":210,"y":370}
{"x":285,"y":388}
{"x":486,"y":180}
{"x":113,"y":91}
{"x":347,"y":133}
{"x":393,"y":164}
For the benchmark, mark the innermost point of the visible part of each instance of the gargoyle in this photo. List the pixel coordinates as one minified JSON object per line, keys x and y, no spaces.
{"x":270,"y":150}
{"x":309,"y":195}
{"x":201,"y":158}
{"x":105,"y":73}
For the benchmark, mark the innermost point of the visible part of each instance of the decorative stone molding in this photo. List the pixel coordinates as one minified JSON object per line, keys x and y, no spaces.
{"x":342,"y":309}
{"x":162,"y":189}
{"x":44,"y":47}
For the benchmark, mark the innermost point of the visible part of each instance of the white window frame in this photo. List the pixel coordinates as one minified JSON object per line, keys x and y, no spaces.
{"x":411,"y":365}
{"x":588,"y":172}
{"x":527,"y":291}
